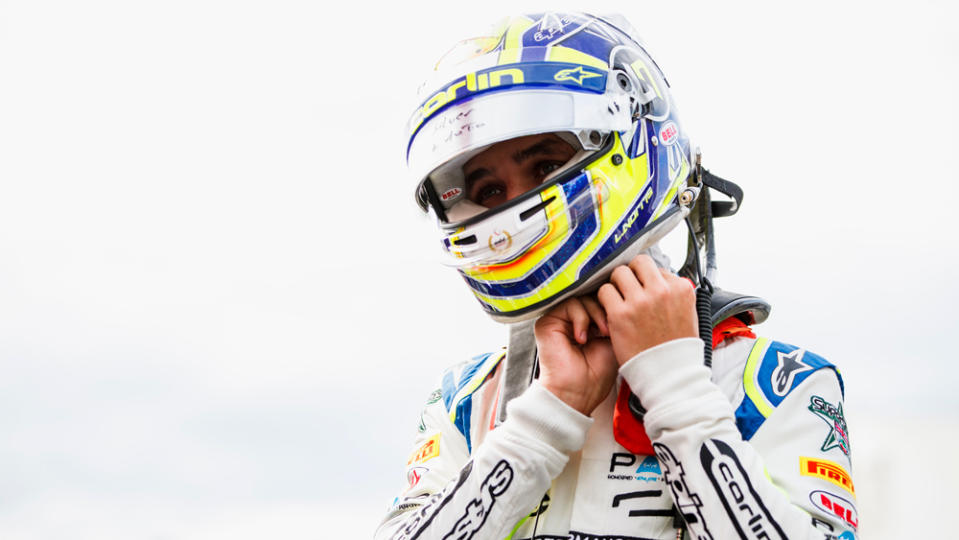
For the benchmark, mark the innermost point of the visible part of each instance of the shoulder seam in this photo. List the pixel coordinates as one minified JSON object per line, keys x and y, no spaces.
{"x":766,"y":385}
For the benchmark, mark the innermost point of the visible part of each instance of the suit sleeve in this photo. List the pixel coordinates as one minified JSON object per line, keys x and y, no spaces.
{"x":789,"y":480}
{"x":455,"y":495}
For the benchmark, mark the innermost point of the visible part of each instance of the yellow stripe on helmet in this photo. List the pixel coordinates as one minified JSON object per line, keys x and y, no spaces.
{"x":615,"y":205}
{"x":513,"y":46}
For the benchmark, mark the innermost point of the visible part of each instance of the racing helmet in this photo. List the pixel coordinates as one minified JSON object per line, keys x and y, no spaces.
{"x":589,"y":80}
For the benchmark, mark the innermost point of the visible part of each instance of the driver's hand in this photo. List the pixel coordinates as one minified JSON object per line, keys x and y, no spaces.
{"x":647,"y":306}
{"x":576,"y":358}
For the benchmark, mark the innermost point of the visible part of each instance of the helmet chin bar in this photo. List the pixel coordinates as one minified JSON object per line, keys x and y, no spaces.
{"x":644,"y":240}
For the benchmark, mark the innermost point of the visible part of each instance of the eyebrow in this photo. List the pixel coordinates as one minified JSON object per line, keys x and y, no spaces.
{"x":540,"y":148}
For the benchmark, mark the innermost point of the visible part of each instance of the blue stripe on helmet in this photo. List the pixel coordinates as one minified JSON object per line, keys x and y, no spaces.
{"x":585,"y":228}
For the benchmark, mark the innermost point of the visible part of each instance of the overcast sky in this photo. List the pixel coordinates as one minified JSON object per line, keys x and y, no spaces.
{"x":220,"y":311}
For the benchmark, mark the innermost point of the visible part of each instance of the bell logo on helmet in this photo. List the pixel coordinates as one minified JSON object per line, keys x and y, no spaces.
{"x":450,"y":193}
{"x":669,"y":133}
{"x":500,"y":241}
{"x":575,"y":75}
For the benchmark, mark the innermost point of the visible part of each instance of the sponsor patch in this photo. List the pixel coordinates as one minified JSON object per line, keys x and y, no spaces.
{"x":745,"y":507}
{"x":826,"y":470}
{"x":648,"y":470}
{"x":836,"y":505}
{"x":429,"y":450}
{"x":831,"y":414}
{"x":423,"y":517}
{"x":500,"y":241}
{"x":620,"y":459}
{"x":435,"y":396}
{"x":413,"y":476}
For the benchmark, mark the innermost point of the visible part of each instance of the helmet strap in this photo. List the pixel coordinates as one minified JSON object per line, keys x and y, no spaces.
{"x":521,"y":365}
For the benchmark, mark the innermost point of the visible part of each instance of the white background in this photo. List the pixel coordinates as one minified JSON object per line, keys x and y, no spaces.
{"x":220,"y":311}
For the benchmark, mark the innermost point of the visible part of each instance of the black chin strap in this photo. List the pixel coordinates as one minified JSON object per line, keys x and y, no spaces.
{"x":723,"y":208}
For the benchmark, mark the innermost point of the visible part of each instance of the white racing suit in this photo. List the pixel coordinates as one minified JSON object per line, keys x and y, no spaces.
{"x":756,"y":447}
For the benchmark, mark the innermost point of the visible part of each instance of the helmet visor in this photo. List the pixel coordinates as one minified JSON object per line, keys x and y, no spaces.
{"x":440,"y":146}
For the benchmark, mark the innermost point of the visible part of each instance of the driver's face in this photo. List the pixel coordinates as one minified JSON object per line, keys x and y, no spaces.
{"x":510,"y":168}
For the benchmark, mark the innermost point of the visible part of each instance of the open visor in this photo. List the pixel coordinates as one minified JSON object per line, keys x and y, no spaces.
{"x":440,"y":145}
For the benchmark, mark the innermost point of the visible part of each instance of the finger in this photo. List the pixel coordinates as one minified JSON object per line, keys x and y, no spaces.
{"x":626,"y":282}
{"x":577,"y":315}
{"x":675,"y":281}
{"x":608,"y":296}
{"x":596,"y":313}
{"x":647,"y":272}
{"x":671,"y":278}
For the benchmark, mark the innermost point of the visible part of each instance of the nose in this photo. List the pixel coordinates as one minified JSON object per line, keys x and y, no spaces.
{"x":518,"y":184}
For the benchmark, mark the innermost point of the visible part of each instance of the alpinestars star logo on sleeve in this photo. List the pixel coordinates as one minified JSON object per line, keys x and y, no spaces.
{"x":838,"y":436}
{"x":790,"y":365}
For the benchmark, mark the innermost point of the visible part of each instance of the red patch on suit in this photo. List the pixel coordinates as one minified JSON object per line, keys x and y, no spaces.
{"x":630,"y":431}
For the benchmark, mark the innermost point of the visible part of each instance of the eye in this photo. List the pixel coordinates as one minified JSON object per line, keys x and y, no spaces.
{"x":543,"y":168}
{"x":484,"y":193}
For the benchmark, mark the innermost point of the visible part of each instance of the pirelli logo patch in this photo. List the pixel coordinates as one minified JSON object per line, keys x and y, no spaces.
{"x":429,"y":450}
{"x":828,"y":471}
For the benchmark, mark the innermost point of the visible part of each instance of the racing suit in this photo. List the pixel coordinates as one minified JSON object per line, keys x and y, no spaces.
{"x":755,"y":447}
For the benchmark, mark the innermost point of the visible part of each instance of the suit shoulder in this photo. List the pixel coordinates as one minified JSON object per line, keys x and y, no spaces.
{"x":462,"y":382}
{"x":773,"y":369}
{"x":467,"y":377}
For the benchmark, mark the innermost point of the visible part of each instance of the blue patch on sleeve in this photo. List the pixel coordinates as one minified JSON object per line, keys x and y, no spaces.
{"x":471,"y":369}
{"x":448,"y":389}
{"x":784,"y":367}
{"x":748,"y":419}
{"x":464,"y":411}
{"x":781,"y":369}
{"x":451,"y":388}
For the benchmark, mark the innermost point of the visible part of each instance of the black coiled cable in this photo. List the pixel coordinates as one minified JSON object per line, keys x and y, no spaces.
{"x":704,"y":297}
